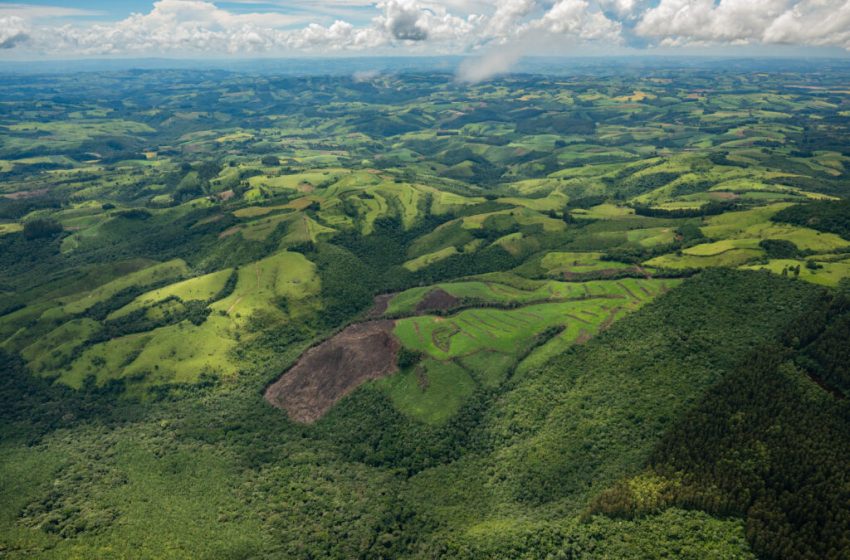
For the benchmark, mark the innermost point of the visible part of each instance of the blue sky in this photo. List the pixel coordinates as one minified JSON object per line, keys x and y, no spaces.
{"x":501,"y":29}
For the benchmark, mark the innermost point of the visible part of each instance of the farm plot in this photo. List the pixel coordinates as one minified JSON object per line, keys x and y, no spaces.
{"x":327,"y":372}
{"x":511,"y":330}
{"x":501,"y":294}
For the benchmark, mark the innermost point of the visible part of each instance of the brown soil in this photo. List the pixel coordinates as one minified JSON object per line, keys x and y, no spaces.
{"x":723,"y":195}
{"x":628,"y":291}
{"x":228,"y":232}
{"x":379,"y":305}
{"x":20,"y":195}
{"x":422,"y":377}
{"x":609,"y":320}
{"x":437,"y":299}
{"x":327,"y":372}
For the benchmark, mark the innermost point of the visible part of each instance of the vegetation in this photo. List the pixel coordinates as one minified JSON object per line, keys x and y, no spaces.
{"x":613,"y":310}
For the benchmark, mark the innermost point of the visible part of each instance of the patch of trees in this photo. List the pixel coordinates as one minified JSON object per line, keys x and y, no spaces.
{"x":367,"y":428}
{"x":669,"y":352}
{"x":822,"y":215}
{"x":640,"y":184}
{"x":173,"y":310}
{"x":585,"y":202}
{"x":768,"y":443}
{"x":692,"y":187}
{"x":32,"y":406}
{"x":408,"y":358}
{"x":41,"y":228}
{"x":713,"y":208}
{"x":24,"y":263}
{"x":133,"y":214}
{"x":633,"y":253}
{"x":13,"y":209}
{"x":779,"y":249}
{"x":722,"y":158}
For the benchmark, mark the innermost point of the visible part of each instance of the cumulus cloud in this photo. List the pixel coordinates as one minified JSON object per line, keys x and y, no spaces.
{"x":813,"y":23}
{"x":578,"y":19}
{"x":501,"y":29}
{"x":508,"y":15}
{"x":401,"y":19}
{"x":566,"y":21}
{"x":805,"y":22}
{"x":13,"y":31}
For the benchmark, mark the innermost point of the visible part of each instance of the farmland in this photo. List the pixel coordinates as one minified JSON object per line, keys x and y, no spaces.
{"x":547,"y":315}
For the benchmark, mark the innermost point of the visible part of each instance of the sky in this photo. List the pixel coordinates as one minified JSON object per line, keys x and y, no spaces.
{"x":500,"y":31}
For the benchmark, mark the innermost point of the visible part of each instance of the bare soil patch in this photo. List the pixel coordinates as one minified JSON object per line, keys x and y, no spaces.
{"x":609,"y":320}
{"x":724,"y":195}
{"x":422,"y":377}
{"x":437,"y":299}
{"x":21,"y":195}
{"x":327,"y":372}
{"x":228,"y":232}
{"x":628,"y":291}
{"x":379,"y":305}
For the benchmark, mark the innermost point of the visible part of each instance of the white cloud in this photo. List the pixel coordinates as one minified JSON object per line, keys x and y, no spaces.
{"x":508,"y":15}
{"x":823,"y":23}
{"x":576,"y":18}
{"x":401,"y":20}
{"x":32,"y":11}
{"x":13,"y":31}
{"x":199,"y":27}
{"x":573,"y":21}
{"x":805,"y":22}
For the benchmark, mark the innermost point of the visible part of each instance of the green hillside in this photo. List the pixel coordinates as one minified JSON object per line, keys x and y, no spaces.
{"x":601,"y":314}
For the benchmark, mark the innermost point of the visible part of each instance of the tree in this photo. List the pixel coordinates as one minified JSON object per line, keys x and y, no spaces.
{"x":408,"y":358}
{"x":779,"y":248}
{"x":40,"y":228}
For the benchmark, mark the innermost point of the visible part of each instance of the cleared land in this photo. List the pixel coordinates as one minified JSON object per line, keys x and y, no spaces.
{"x":333,"y":369}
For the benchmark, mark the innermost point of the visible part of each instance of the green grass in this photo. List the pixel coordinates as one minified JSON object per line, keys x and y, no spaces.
{"x":429,"y":258}
{"x":50,"y":352}
{"x":10,"y":228}
{"x":195,"y":289}
{"x":283,"y":275}
{"x":157,"y":273}
{"x":303,"y":182}
{"x":603,"y":212}
{"x":431,"y":392}
{"x":512,"y":330}
{"x":730,"y":258}
{"x":577,"y":263}
{"x":830,"y":273}
{"x":490,"y":368}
